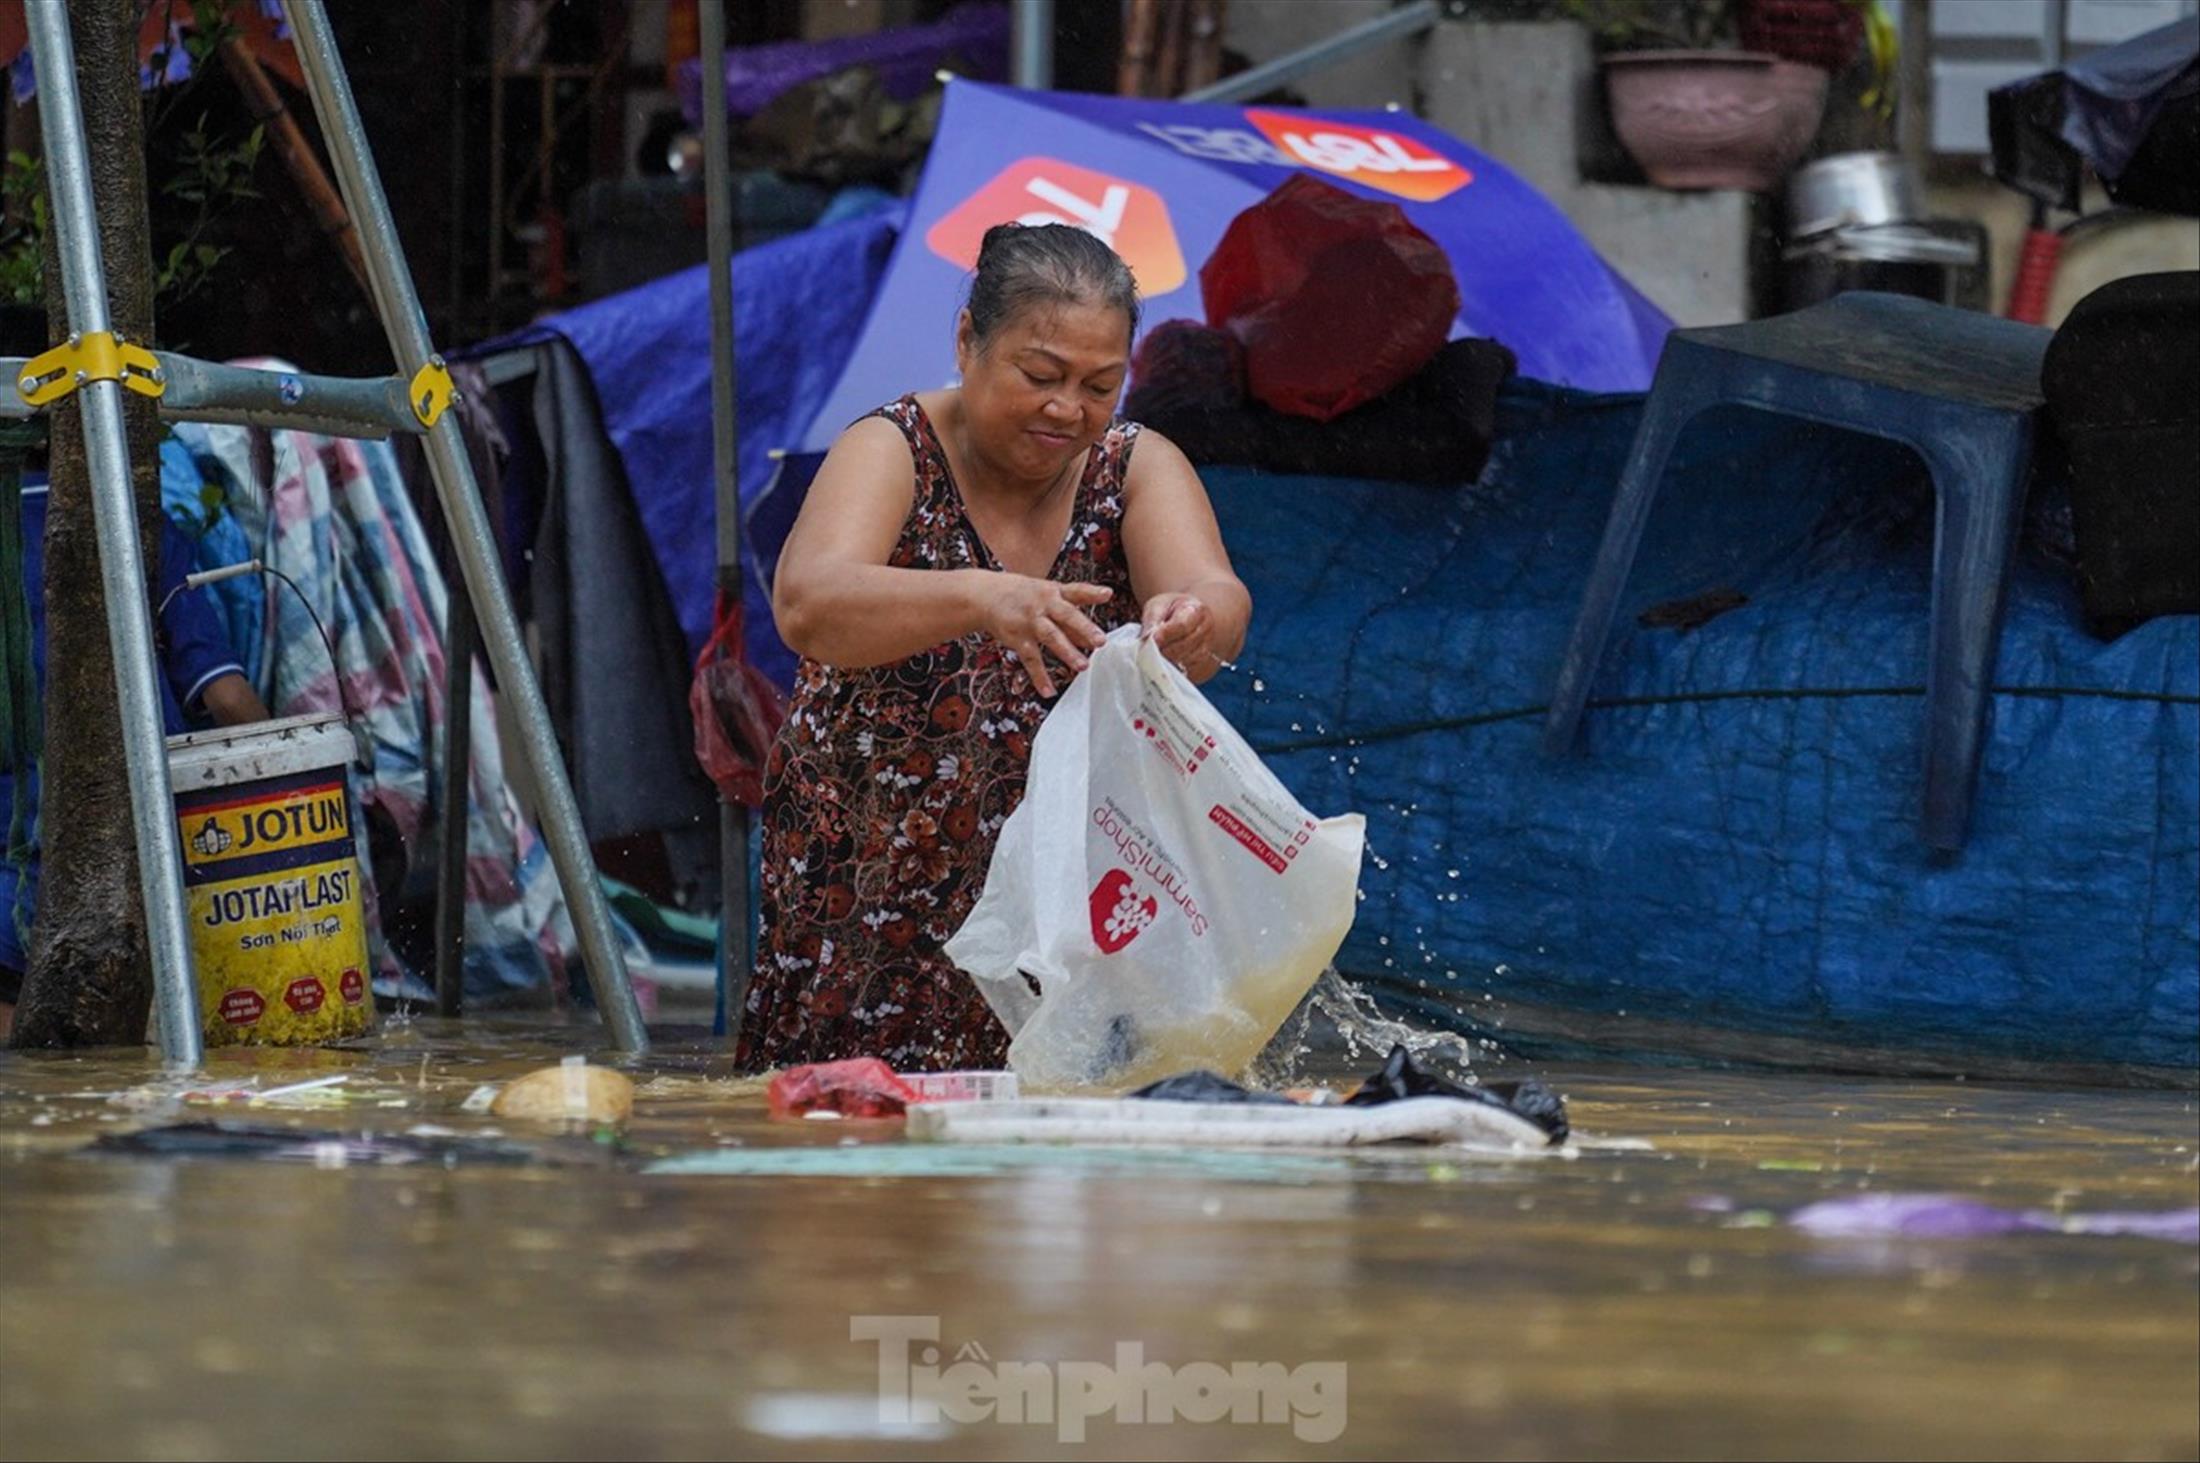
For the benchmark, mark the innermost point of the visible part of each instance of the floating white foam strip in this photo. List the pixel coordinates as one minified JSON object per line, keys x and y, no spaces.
{"x":1437,"y":1120}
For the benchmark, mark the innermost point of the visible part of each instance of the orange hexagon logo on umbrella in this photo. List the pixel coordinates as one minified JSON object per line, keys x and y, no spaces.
{"x":1128,"y":217}
{"x":1368,"y":156}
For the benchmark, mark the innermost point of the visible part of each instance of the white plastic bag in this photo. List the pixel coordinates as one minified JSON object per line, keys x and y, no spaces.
{"x":1169,"y":901}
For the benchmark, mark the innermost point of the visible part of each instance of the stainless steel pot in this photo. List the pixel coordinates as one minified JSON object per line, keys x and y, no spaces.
{"x":1850,"y":190}
{"x":1938,"y":259}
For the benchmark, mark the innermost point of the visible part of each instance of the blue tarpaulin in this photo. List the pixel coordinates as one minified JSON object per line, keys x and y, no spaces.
{"x":1735,"y":848}
{"x":796,"y":303}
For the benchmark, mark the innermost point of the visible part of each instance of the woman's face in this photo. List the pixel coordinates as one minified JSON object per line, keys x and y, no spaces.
{"x":1043,"y":388}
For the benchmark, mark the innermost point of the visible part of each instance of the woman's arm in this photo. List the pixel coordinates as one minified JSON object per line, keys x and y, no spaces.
{"x":838,"y":601}
{"x":1194,"y":605}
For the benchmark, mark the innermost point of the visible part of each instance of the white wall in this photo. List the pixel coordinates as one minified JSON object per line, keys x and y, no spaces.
{"x":1981,"y":44}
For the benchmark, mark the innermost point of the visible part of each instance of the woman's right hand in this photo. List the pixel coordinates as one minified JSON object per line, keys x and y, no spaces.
{"x":1035,"y":618}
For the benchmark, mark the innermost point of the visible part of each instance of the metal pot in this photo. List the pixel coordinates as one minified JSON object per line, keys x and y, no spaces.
{"x":1850,"y":190}
{"x":1939,"y":259}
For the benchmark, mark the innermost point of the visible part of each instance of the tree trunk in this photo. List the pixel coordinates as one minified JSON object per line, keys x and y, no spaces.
{"x":90,"y":980}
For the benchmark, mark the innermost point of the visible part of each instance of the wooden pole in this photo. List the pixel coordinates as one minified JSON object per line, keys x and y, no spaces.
{"x":1168,"y":71}
{"x":1139,"y":26}
{"x":1204,"y":67}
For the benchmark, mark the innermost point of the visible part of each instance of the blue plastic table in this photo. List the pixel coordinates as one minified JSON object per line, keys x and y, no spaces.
{"x":1960,"y":388}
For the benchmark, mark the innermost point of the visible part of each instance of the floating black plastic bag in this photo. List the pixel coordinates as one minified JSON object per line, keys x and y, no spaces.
{"x":1402,"y":1077}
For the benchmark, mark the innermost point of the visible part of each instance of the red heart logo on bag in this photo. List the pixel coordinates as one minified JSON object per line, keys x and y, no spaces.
{"x":1119,"y":915}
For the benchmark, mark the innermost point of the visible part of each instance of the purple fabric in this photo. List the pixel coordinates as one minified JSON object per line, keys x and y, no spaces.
{"x":1951,"y":1216}
{"x":2181,"y":1226}
{"x":971,"y":38}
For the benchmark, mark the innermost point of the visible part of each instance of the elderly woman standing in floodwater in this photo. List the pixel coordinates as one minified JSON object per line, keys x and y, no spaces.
{"x":959,"y":555}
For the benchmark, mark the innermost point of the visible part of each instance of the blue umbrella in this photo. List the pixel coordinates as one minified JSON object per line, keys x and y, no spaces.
{"x":1161,"y":181}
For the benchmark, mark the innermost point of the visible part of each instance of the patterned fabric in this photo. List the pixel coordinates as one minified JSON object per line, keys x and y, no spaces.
{"x":334,"y":515}
{"x":193,"y":651}
{"x":885,"y":792}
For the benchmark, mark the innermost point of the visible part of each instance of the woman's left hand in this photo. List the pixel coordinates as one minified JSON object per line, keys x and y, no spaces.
{"x":1182,"y":627}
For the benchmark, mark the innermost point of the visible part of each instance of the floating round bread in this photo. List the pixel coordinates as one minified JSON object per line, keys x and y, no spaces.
{"x":571,"y":1092}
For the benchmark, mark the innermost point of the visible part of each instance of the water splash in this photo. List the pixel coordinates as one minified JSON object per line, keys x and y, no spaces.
{"x":1339,"y":1029}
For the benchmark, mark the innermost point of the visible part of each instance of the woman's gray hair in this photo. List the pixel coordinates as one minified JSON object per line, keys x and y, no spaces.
{"x":1022,"y":265}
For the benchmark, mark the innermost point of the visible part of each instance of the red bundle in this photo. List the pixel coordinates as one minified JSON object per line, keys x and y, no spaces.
{"x":1336,"y":298}
{"x":736,"y":710}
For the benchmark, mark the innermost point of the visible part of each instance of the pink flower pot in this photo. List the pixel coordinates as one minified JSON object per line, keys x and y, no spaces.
{"x":1714,"y":119}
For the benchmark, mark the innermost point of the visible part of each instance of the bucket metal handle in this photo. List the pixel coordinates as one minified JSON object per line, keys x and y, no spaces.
{"x":205,"y":577}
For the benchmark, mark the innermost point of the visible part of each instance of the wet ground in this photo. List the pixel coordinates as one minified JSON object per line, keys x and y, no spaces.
{"x":1644,"y":1297}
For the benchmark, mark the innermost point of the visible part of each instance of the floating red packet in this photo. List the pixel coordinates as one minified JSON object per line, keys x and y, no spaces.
{"x":861,"y":1087}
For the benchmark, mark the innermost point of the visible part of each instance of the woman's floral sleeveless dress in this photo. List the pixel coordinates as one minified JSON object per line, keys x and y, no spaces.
{"x":885,"y":792}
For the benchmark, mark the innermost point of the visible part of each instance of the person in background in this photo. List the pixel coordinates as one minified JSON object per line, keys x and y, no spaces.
{"x":202,"y":684}
{"x":959,"y":555}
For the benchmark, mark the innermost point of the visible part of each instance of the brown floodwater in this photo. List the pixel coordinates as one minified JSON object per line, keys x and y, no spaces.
{"x":1642,"y":1297}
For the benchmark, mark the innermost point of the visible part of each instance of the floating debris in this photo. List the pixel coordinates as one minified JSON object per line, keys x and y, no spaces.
{"x":223,"y":1138}
{"x":1952,"y":1216}
{"x":570,"y":1092}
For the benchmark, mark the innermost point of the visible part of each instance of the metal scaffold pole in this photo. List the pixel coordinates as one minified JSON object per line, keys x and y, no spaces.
{"x":398,"y":305}
{"x":737,"y":920}
{"x":121,"y":566}
{"x":1032,"y":35}
{"x":1401,"y":24}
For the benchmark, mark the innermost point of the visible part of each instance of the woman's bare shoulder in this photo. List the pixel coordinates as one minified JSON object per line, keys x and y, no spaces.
{"x":855,"y":506}
{"x":1154,"y":457}
{"x":874,"y":449}
{"x":869,"y":432}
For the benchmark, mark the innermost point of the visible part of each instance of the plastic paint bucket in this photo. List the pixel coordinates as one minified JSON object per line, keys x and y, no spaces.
{"x":271,"y":875}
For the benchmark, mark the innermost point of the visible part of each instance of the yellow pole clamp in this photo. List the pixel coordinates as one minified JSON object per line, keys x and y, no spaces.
{"x":430,"y":391}
{"x":100,"y":356}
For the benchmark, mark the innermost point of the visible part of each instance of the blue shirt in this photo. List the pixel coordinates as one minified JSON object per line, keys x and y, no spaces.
{"x":194,"y":652}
